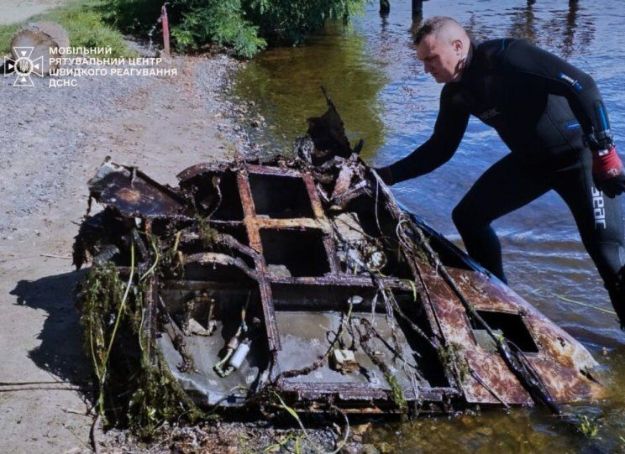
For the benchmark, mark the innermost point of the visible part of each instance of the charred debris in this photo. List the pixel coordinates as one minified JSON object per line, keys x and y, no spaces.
{"x":301,"y":283}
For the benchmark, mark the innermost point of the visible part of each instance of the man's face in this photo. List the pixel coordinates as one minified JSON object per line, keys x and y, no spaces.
{"x":440,"y":57}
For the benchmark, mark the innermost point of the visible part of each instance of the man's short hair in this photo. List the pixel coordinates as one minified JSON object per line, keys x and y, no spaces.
{"x":432,"y":26}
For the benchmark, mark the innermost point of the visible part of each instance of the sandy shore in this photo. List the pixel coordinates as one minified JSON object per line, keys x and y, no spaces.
{"x":53,"y":141}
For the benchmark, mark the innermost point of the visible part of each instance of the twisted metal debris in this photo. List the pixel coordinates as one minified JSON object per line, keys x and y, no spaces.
{"x":301,"y":277}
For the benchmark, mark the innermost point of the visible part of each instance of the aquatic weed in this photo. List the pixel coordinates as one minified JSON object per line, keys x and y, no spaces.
{"x":452,"y":358}
{"x":589,"y":427}
{"x":397,"y":394}
{"x":135,"y":387}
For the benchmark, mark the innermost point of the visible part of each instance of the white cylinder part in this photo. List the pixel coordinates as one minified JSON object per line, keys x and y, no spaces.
{"x":239,"y":355}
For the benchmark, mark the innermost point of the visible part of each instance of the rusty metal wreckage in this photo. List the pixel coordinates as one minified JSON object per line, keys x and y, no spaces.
{"x":306,"y":276}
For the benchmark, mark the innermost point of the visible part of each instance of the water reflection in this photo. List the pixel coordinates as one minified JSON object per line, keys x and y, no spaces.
{"x":571,"y":25}
{"x":381,"y":90}
{"x":523,"y":23}
{"x":575,"y":27}
{"x":285,"y":83}
{"x":570,"y":30}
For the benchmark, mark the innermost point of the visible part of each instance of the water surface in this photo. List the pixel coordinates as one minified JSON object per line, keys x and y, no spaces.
{"x":370,"y":70}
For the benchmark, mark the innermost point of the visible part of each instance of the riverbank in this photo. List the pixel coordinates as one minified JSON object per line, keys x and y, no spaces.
{"x":54,"y":140}
{"x":56,"y":137}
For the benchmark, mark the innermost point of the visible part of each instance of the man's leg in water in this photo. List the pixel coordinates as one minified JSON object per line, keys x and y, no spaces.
{"x":600,"y":223}
{"x":503,"y":188}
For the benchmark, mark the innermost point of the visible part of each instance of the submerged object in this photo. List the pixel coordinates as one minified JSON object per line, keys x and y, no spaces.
{"x":304,"y":277}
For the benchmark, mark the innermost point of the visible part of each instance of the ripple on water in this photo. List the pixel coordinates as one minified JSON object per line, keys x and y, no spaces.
{"x":383,"y":95}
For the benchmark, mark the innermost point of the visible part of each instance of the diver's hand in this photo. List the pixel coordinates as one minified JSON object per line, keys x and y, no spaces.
{"x":386,"y":175}
{"x":607,"y":171}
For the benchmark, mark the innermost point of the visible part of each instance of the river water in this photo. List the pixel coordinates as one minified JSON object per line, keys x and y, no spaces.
{"x":370,"y":70}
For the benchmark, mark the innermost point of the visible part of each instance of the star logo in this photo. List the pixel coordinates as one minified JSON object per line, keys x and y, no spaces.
{"x":23,"y":67}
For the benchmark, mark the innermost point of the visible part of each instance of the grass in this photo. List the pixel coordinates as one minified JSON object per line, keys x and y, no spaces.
{"x":83,"y":20}
{"x":6,"y":33}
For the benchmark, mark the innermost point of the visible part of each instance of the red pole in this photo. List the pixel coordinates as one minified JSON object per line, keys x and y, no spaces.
{"x":165,"y":25}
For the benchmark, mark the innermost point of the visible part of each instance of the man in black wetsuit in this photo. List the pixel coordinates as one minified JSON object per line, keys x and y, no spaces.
{"x":551,"y":116}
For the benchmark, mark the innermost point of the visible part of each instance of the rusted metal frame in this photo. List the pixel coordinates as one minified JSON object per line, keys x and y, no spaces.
{"x":308,"y":224}
{"x":343,"y":280}
{"x":201,"y":285}
{"x":222,"y":259}
{"x":225,"y":239}
{"x":276,"y":171}
{"x":456,"y":328}
{"x":551,"y":342}
{"x":202,"y":167}
{"x":412,"y":263}
{"x":491,"y":300}
{"x":328,"y":245}
{"x":490,"y":367}
{"x":349,"y":391}
{"x":253,"y":233}
{"x":292,"y":223}
{"x":557,"y":362}
{"x":139,"y":174}
{"x":122,"y":190}
{"x":496,"y":376}
{"x":328,"y":240}
{"x":374,"y":408}
{"x":511,"y":355}
{"x":429,"y":308}
{"x":363,"y":392}
{"x":485,"y":308}
{"x":249,"y":215}
{"x":273,"y":338}
{"x":417,"y":272}
{"x":371,"y":410}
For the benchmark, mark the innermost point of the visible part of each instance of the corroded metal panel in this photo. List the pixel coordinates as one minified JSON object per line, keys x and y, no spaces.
{"x":305,"y":277}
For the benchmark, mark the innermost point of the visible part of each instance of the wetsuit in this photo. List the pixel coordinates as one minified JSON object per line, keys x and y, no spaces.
{"x":542,"y":108}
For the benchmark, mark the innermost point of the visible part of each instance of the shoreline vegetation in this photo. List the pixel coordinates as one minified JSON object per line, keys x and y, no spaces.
{"x":85,"y":22}
{"x":241,"y":28}
{"x":149,"y":123}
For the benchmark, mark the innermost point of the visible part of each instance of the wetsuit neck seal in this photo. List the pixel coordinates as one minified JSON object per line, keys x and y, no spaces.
{"x":468,"y":59}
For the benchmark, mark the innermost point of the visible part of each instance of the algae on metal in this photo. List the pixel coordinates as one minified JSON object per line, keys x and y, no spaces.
{"x":155,"y":395}
{"x":322,"y":250}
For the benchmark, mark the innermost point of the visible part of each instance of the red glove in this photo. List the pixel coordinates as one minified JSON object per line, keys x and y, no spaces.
{"x":607,"y":171}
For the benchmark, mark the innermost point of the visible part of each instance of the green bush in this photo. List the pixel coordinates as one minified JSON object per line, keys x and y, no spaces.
{"x":246,"y":26}
{"x":132,"y":16}
{"x":289,"y":21}
{"x":221,"y":22}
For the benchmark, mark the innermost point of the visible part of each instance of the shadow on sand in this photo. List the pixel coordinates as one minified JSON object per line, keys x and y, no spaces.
{"x":61,"y":351}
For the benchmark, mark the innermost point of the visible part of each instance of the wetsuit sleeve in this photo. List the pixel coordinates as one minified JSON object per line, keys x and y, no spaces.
{"x":561,"y":78}
{"x":451,"y":123}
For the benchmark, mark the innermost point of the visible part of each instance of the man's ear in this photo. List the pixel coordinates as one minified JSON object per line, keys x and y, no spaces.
{"x":457,"y":45}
